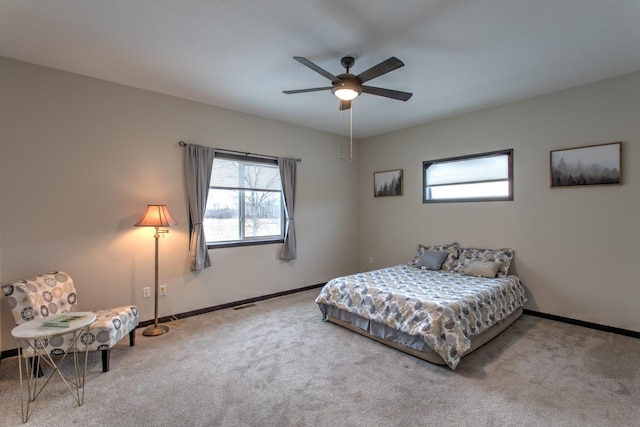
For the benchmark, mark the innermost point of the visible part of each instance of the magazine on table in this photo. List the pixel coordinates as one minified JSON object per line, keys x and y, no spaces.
{"x":62,"y":320}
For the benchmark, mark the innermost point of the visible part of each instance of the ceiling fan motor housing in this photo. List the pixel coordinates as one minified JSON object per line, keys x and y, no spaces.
{"x":347,"y":81}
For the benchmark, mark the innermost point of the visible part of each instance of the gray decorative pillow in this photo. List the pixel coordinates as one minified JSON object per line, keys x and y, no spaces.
{"x":451,"y":250}
{"x":467,"y":255}
{"x":483,"y":268}
{"x":431,"y":260}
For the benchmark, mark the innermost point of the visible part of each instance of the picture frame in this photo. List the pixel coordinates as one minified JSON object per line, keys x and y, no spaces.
{"x":388,"y":183}
{"x":591,"y":165}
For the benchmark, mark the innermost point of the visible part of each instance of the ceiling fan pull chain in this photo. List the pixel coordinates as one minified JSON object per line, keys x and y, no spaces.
{"x":351,"y":133}
{"x":341,"y":141}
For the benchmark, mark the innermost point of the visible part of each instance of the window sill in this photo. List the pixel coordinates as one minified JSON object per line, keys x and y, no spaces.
{"x":477,"y":199}
{"x":245,"y":243}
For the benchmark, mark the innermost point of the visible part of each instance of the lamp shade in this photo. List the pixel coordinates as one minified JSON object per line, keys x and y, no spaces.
{"x":156,"y":216}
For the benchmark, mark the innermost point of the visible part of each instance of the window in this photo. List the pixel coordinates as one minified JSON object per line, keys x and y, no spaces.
{"x":245,"y":204}
{"x":479,"y":177}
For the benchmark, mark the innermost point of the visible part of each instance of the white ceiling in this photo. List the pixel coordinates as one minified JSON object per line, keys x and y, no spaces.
{"x":459,"y":55}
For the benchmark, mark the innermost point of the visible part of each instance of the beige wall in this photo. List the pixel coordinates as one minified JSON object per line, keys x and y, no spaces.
{"x":576,"y":248}
{"x":81,"y":158}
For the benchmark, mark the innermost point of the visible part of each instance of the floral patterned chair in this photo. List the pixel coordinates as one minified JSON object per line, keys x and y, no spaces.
{"x":54,"y":293}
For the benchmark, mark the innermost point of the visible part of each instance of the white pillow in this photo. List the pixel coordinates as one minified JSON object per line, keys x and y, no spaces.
{"x":483,"y":268}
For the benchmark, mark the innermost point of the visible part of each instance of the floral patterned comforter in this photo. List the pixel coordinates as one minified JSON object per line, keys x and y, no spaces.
{"x":445,"y":309}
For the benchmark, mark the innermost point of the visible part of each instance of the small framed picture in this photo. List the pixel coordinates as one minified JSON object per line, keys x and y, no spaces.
{"x":586,"y":166}
{"x":387,"y":183}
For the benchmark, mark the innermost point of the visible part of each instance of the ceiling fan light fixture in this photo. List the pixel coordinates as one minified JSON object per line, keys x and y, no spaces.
{"x":346,"y":91}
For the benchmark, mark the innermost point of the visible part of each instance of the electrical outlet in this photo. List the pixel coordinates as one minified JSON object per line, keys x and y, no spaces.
{"x":370,"y":260}
{"x":146,"y":292}
{"x":162,"y":290}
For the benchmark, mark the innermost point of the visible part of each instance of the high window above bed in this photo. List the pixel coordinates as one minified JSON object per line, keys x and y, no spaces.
{"x":477,"y":177}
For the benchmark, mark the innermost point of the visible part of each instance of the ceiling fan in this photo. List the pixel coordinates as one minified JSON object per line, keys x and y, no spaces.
{"x":347,"y":86}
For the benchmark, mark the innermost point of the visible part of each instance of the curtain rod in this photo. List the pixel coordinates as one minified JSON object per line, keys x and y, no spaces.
{"x":244,"y":153}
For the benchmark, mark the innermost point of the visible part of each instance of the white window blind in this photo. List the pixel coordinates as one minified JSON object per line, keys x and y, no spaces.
{"x":247,"y":175}
{"x":472,"y":170}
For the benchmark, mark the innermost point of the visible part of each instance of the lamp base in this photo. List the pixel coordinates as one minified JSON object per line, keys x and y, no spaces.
{"x":152,"y":330}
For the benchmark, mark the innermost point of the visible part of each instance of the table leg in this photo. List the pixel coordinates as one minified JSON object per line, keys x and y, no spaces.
{"x":33,"y":391}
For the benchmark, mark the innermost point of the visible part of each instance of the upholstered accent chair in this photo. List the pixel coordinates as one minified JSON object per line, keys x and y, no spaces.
{"x":54,"y":293}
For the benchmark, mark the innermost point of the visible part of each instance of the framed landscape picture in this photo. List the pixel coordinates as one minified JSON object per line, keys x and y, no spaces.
{"x":387,"y":183}
{"x":586,"y":166}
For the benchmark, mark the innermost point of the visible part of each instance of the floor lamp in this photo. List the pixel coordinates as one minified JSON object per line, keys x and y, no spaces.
{"x":156,"y":216}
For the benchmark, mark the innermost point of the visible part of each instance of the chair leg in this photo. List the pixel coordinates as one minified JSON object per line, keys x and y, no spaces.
{"x":106,"y":354}
{"x":105,"y":360}
{"x":36,"y":369}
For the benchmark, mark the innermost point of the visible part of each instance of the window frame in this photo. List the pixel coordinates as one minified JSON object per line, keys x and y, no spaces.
{"x":251,"y":241}
{"x":429,"y":163}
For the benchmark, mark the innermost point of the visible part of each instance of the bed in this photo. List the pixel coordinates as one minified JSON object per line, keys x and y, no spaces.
{"x":441,"y":306}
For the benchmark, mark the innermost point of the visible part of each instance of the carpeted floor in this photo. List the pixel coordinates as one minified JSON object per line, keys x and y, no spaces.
{"x":278,"y":364}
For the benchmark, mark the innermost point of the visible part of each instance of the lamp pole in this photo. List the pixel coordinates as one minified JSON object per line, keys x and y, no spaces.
{"x":156,"y":329}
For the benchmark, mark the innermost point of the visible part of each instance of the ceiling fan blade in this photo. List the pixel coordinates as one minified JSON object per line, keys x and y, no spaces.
{"x":382,"y":68}
{"x":345,"y":105}
{"x":388,"y":93}
{"x":313,"y":89}
{"x":314,"y":67}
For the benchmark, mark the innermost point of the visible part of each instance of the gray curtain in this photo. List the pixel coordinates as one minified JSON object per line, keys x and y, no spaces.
{"x":288,"y":176}
{"x":198,"y":163}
